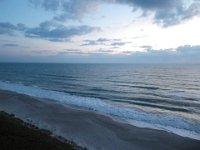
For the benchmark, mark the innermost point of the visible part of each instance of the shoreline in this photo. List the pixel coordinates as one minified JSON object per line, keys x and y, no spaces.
{"x":87,"y":128}
{"x":16,"y":134}
{"x":175,"y":123}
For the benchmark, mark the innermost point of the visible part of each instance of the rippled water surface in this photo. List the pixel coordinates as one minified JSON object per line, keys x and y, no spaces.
{"x":130,"y":91}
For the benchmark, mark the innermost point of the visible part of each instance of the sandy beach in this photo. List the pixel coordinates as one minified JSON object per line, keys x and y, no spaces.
{"x":90,"y":129}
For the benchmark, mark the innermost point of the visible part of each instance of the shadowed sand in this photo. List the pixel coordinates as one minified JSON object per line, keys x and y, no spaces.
{"x":90,"y":129}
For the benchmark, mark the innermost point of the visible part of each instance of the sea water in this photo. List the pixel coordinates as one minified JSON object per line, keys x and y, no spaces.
{"x":165,"y":97}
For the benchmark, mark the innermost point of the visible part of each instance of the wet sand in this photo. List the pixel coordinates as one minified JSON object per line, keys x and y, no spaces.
{"x":90,"y":129}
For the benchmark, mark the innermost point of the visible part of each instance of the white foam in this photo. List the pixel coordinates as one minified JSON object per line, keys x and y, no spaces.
{"x":171,"y":123}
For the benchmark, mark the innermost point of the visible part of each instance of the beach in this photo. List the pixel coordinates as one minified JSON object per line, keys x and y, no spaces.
{"x":88,"y":128}
{"x":16,"y":134}
{"x":87,"y":76}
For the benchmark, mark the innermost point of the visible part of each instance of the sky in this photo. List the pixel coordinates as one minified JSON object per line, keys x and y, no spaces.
{"x":100,"y":31}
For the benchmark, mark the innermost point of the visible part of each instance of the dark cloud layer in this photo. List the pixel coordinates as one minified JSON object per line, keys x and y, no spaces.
{"x":100,"y":41}
{"x":182,"y":54}
{"x":10,"y":45}
{"x":167,"y":12}
{"x":189,"y":50}
{"x":70,"y":9}
{"x":57,"y":32}
{"x":49,"y":30}
{"x":52,"y":5}
{"x":105,"y":41}
{"x":7,"y":28}
{"x":119,"y":43}
{"x":185,"y":54}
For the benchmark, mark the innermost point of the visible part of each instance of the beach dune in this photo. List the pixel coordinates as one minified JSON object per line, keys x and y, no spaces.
{"x":90,"y":129}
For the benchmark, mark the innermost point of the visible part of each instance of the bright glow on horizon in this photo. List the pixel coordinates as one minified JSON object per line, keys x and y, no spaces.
{"x":103,"y":27}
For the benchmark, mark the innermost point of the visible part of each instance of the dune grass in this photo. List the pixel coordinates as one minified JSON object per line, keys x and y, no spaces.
{"x":18,"y":135}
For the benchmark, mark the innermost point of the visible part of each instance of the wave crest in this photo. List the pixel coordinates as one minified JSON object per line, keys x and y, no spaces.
{"x":171,"y":123}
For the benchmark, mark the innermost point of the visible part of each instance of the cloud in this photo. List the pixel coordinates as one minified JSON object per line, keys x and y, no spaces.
{"x":182,"y":54}
{"x":185,"y":54}
{"x":104,"y":41}
{"x":50,"y":5}
{"x":57,"y":32}
{"x":41,"y":52}
{"x":49,"y":30}
{"x":77,"y":9}
{"x":82,"y":52}
{"x":70,"y":9}
{"x":10,"y":45}
{"x":146,"y":47}
{"x":178,"y":15}
{"x":68,"y":52}
{"x":166,"y":12}
{"x":119,"y":43}
{"x":7,"y":28}
{"x":189,"y":50}
{"x":101,"y":51}
{"x":72,"y":51}
{"x":100,"y":41}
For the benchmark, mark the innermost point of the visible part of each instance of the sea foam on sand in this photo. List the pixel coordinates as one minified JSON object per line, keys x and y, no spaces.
{"x":88,"y":128}
{"x":167,"y":122}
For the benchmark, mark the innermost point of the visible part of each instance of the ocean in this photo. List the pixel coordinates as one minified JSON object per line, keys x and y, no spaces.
{"x":164,"y":97}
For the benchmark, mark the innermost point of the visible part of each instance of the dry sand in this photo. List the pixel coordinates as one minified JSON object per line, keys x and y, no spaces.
{"x":90,"y":129}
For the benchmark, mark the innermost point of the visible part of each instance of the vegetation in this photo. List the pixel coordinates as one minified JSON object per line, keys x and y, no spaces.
{"x":18,"y":135}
